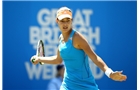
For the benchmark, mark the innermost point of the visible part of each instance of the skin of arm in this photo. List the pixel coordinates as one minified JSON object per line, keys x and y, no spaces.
{"x":80,"y":42}
{"x":48,"y":60}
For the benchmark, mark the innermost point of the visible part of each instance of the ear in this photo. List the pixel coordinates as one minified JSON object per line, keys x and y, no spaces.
{"x":56,"y":20}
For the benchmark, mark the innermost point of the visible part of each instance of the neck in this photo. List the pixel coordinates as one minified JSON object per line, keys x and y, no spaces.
{"x":66,"y":35}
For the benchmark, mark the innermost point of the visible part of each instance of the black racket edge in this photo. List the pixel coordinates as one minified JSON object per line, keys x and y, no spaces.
{"x":43,"y":51}
{"x":33,"y":60}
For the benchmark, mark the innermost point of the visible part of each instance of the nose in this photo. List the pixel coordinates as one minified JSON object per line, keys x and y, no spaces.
{"x":65,"y":23}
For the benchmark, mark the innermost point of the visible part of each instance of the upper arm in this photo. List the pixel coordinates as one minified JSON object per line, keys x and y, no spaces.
{"x":83,"y":44}
{"x":58,"y":57}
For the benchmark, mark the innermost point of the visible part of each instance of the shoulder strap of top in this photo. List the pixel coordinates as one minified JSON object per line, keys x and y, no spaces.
{"x":60,"y":38}
{"x":70,"y":37}
{"x":72,"y":33}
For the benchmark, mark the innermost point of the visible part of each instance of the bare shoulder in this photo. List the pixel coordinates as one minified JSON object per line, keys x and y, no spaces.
{"x":78,"y":39}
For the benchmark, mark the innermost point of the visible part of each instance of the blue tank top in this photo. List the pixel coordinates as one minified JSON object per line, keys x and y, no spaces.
{"x":77,"y":74}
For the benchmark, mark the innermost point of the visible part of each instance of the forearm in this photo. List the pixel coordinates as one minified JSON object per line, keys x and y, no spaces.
{"x":49,"y":60}
{"x":101,"y":64}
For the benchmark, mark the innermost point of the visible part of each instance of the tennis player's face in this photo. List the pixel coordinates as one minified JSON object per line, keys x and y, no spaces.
{"x":65,"y":24}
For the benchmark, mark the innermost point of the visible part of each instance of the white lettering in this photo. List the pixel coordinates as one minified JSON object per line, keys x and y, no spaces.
{"x":49,"y":32}
{"x":50,"y":49}
{"x":87,"y":14}
{"x":33,"y":70}
{"x":95,"y":35}
{"x":34,"y":35}
{"x":83,"y":31}
{"x":46,"y":14}
{"x":95,"y":69}
{"x":46,"y":34}
{"x":48,"y":71}
{"x":53,"y":19}
{"x":78,"y":20}
{"x":56,"y":35}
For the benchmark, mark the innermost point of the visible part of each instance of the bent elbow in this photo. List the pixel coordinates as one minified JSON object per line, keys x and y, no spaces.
{"x":58,"y":61}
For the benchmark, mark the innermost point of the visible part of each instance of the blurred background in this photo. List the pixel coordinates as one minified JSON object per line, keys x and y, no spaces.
{"x":109,"y":26}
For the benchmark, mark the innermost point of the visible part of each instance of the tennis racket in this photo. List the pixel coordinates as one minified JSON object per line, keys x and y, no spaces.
{"x":40,"y":51}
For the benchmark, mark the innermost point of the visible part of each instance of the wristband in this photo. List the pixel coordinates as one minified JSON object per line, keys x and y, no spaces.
{"x":108,"y":72}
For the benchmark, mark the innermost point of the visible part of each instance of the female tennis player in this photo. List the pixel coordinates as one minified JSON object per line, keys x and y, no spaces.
{"x":74,"y":50}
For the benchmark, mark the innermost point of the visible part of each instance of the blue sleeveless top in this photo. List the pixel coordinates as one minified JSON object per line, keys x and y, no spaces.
{"x":77,"y":74}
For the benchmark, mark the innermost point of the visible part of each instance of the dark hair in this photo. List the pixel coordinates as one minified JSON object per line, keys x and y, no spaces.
{"x":58,"y":67}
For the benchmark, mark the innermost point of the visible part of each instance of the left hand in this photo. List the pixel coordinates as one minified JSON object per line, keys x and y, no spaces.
{"x":118,"y":76}
{"x":36,"y":60}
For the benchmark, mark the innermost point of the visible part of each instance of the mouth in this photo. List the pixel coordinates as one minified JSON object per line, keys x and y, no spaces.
{"x":65,"y":27}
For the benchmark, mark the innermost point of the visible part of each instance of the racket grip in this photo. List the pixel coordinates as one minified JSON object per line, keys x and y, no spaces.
{"x":33,"y":60}
{"x":41,"y":63}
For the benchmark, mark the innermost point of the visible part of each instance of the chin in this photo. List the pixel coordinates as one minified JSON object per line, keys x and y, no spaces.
{"x":66,"y":30}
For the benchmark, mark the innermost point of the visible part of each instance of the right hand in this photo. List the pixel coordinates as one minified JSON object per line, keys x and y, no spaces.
{"x":36,"y":60}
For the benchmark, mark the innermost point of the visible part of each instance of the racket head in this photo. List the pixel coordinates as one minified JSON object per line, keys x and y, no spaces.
{"x":40,"y":50}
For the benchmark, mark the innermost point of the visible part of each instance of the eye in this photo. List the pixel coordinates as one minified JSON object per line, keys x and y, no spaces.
{"x":61,"y":21}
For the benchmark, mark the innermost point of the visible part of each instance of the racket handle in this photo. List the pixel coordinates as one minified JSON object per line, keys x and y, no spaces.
{"x":41,"y":63}
{"x":33,"y":60}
